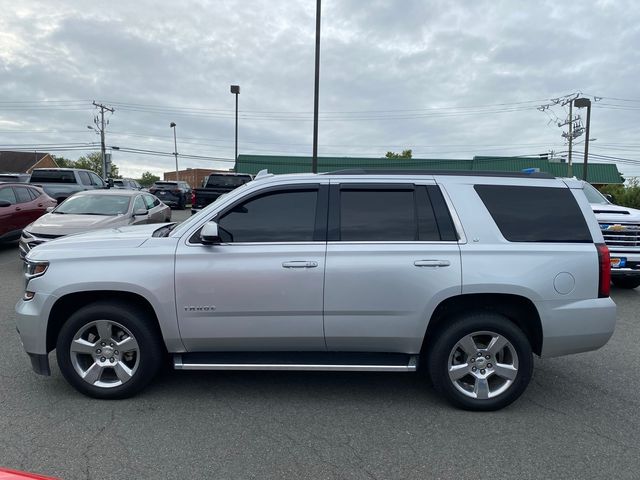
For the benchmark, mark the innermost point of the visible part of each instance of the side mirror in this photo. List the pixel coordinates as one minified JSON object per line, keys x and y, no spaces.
{"x":609,"y":197}
{"x":209,"y":234}
{"x":50,"y":209}
{"x":141,"y":212}
{"x":5,"y":203}
{"x":110,"y":183}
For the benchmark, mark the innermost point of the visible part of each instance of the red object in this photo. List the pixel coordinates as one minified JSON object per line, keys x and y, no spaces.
{"x":23,"y":208}
{"x":604,"y":263}
{"x":193,"y":198}
{"x":6,"y":474}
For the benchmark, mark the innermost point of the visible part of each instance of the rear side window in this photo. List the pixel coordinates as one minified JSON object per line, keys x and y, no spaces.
{"x":535,"y":214}
{"x":378,"y":215}
{"x":53,"y":177}
{"x":8,"y":195}
{"x":22,"y":194}
{"x":84,"y":178}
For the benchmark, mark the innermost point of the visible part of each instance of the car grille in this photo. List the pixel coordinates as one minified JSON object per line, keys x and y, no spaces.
{"x":31,"y":240}
{"x":621,"y":234}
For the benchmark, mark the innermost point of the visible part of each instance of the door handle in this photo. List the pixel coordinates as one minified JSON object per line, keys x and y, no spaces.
{"x":432,"y":263}
{"x":299,"y":264}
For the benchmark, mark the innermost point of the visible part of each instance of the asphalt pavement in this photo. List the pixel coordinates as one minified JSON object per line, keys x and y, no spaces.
{"x":579,"y":418}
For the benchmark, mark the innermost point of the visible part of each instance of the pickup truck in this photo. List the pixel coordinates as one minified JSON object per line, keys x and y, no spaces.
{"x":61,"y":183}
{"x":214,"y":186}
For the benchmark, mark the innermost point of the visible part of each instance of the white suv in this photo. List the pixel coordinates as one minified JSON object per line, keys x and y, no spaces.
{"x":465,"y":276}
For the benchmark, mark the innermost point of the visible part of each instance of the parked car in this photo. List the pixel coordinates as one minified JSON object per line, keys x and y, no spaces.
{"x":61,"y":183}
{"x":174,"y":194}
{"x":465,"y":275}
{"x":14,"y":177}
{"x":214,"y":186}
{"x":94,"y":210}
{"x":621,"y":231}
{"x":20,"y":205}
{"x":126,"y":183}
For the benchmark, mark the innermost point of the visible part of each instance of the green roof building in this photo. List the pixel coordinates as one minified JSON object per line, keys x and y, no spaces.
{"x":598,"y":173}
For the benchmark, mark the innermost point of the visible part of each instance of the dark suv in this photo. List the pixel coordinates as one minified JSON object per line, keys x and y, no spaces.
{"x":175,"y":194}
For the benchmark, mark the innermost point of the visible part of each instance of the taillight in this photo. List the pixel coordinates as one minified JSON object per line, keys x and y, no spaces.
{"x":604,"y":268}
{"x":176,"y":191}
{"x":152,"y":190}
{"x":193,"y":198}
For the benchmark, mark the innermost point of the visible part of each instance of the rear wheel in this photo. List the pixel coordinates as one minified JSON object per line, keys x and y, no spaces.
{"x":624,"y":282}
{"x":109,"y":350}
{"x":481,"y":362}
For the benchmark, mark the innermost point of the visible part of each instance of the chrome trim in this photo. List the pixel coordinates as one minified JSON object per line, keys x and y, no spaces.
{"x":411,"y":366}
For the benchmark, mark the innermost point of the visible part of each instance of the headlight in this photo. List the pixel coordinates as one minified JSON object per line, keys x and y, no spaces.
{"x":33,"y":269}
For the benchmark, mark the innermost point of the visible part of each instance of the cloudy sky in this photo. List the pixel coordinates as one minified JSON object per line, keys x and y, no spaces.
{"x":448,"y":79}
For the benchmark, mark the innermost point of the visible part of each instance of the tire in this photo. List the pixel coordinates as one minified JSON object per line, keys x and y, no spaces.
{"x":626,"y":282}
{"x":116,"y":350}
{"x":476,"y":382}
{"x":182,"y":204}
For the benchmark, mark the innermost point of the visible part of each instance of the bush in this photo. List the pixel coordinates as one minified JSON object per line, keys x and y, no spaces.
{"x":625,"y":195}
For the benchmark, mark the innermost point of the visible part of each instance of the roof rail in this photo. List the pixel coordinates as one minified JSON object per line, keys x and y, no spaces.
{"x":459,"y":173}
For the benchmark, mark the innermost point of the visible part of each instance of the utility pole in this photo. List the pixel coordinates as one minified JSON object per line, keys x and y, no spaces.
{"x":581,"y":103}
{"x":316,"y":91}
{"x":101,"y":127}
{"x":570,"y":164}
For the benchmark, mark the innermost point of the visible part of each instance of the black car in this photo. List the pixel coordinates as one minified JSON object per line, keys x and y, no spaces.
{"x":175,"y":194}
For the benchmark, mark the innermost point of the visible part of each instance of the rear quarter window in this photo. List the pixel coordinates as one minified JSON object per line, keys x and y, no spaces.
{"x":535,"y":214}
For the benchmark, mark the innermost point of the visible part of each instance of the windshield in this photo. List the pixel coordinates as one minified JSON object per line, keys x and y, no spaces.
{"x":95,"y":205}
{"x":594,"y":196}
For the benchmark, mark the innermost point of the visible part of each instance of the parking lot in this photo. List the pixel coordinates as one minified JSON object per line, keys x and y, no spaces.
{"x":578,"y":419}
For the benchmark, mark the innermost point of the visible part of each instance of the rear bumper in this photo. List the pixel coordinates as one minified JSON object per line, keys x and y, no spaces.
{"x":575,"y":327}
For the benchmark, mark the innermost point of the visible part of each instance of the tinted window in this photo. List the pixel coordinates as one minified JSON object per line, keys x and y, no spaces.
{"x":7,"y":194}
{"x":33,"y":193}
{"x":227,"y":180}
{"x":84,"y":178}
{"x":535,"y":214}
{"x":22,"y":195}
{"x":148,"y":200}
{"x":139,"y":204}
{"x":53,"y":176}
{"x":378,"y":215}
{"x":96,"y":180}
{"x":287,"y":216}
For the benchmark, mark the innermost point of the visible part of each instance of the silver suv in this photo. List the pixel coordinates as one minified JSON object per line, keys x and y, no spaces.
{"x":464,"y":276}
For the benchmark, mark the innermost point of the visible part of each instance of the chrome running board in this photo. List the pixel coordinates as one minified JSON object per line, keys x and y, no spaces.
{"x":298,"y":361}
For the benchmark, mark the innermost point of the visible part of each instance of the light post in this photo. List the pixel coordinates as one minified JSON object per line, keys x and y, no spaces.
{"x":235,"y":89}
{"x":175,"y":146}
{"x":581,"y":103}
{"x":316,"y":93}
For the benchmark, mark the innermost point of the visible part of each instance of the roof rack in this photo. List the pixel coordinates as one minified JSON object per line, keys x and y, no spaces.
{"x":459,"y":173}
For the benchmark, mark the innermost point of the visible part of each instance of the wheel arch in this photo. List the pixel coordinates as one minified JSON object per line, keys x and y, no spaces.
{"x":65,"y":306}
{"x":518,"y":309}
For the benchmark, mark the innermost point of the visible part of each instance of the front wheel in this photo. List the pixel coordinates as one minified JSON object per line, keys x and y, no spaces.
{"x":481,"y":362}
{"x":109,"y":350}
{"x":626,"y":282}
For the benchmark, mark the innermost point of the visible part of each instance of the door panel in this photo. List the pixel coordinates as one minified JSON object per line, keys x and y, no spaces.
{"x":241,"y":297}
{"x":378,"y":299}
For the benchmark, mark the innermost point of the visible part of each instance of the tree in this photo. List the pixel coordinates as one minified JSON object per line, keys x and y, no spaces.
{"x":92,"y":162}
{"x":404,"y":154}
{"x":148,"y":179}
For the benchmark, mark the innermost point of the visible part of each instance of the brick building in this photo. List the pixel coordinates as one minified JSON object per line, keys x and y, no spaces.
{"x":25,"y":162}
{"x":193,"y":176}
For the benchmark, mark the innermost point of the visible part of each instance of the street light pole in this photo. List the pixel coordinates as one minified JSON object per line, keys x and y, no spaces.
{"x":175,"y":147}
{"x":581,"y":103}
{"x":235,"y":89}
{"x":316,"y":92}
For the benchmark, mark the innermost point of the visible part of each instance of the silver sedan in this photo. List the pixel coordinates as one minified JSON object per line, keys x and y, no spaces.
{"x":94,"y":210}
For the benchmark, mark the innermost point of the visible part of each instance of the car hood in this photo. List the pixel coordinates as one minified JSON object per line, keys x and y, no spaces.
{"x":58,"y":224}
{"x":112,"y":239}
{"x":615,"y":213}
